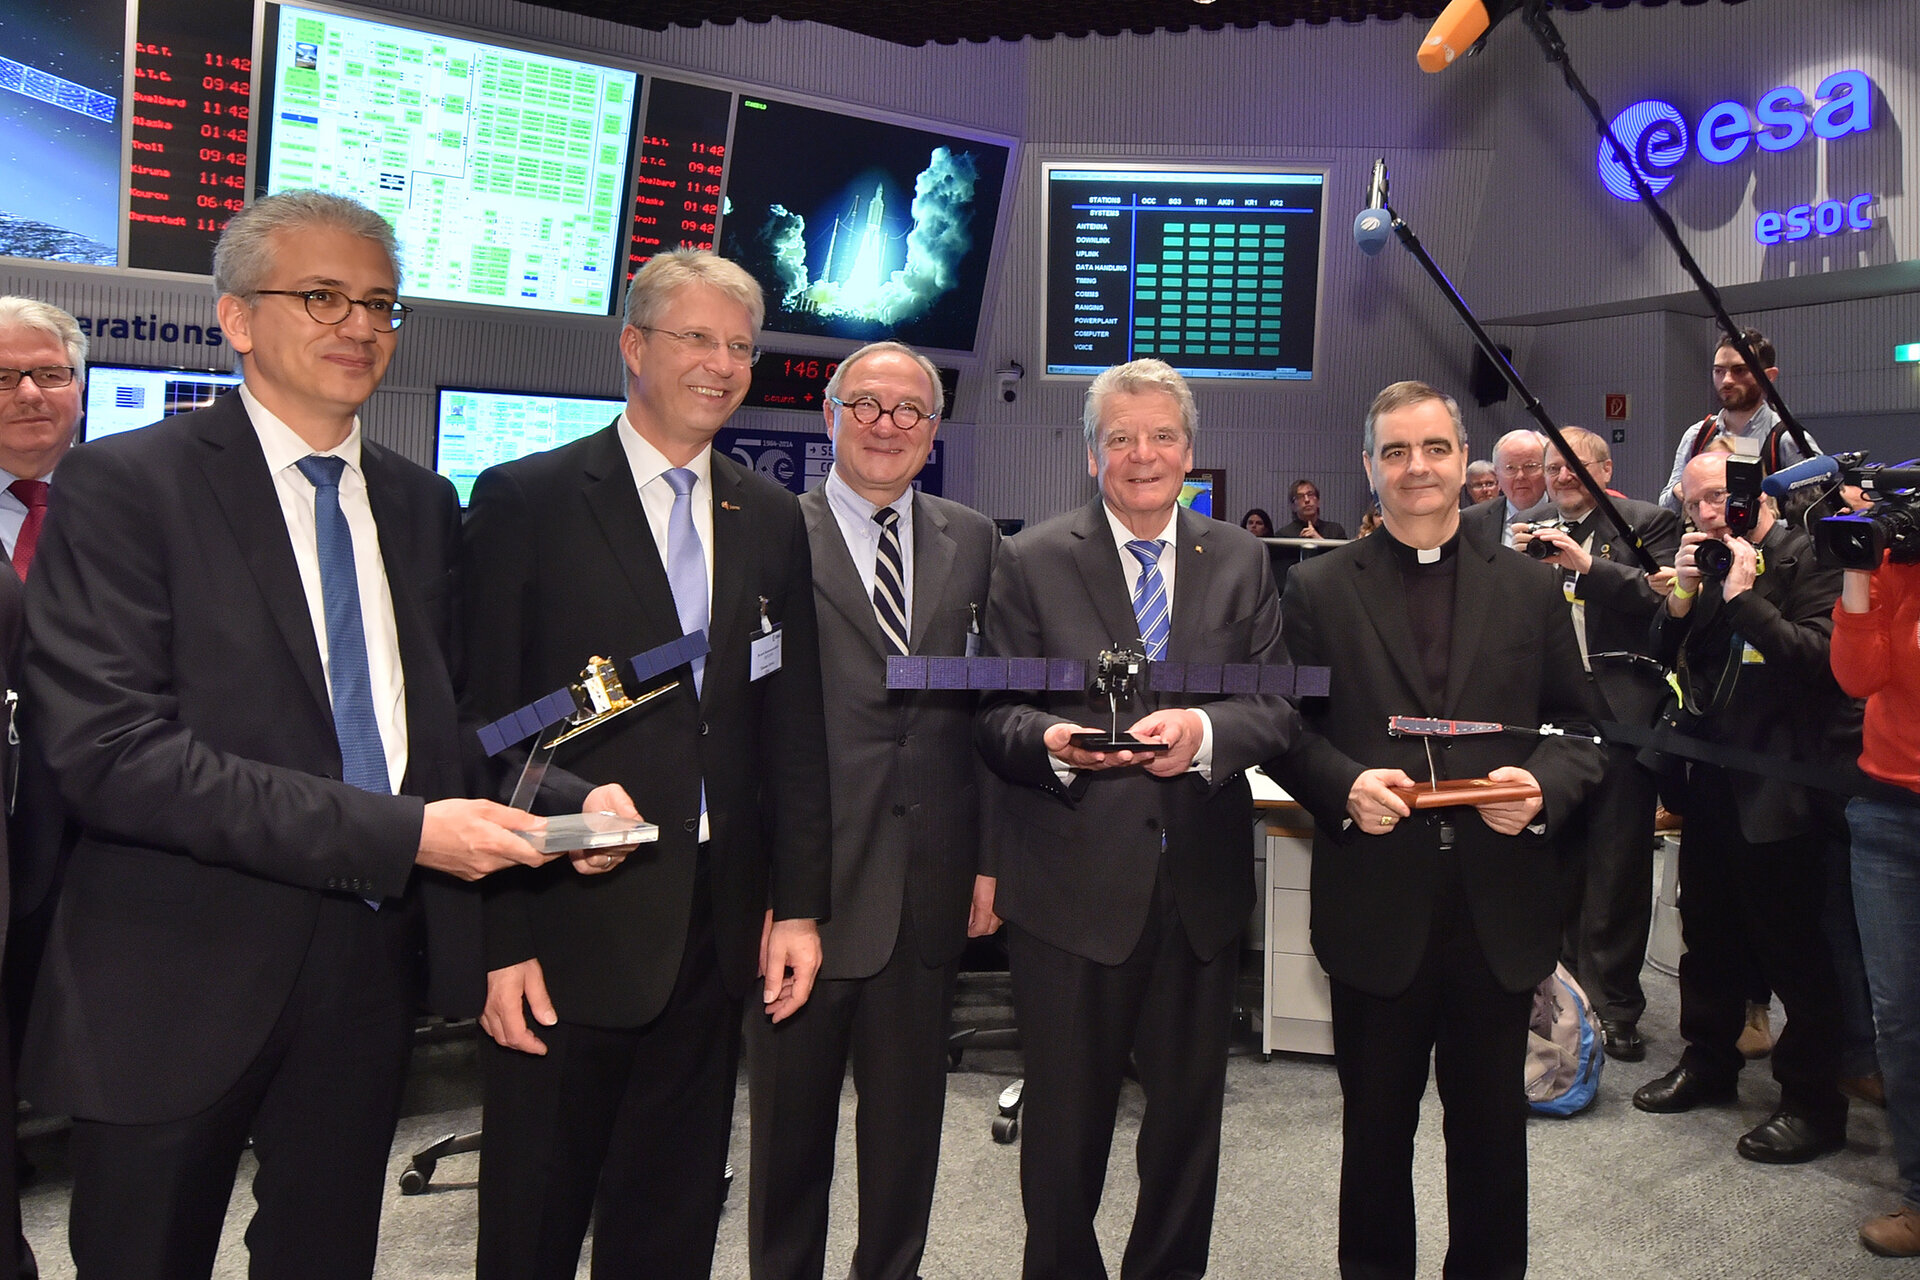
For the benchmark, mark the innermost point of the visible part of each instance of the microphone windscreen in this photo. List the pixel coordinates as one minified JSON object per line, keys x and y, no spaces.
{"x":1372,"y":228}
{"x":1787,"y":479}
{"x":1453,"y":33}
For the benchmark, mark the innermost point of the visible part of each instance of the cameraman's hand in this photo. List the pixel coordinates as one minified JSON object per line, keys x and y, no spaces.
{"x":1746,"y":568}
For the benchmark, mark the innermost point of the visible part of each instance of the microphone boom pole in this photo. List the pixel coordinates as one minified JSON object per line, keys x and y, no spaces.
{"x":1531,"y":402}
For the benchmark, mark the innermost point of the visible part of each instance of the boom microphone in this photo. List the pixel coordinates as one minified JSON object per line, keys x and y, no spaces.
{"x":1798,"y":476}
{"x":1374,"y":224}
{"x":1458,"y":27}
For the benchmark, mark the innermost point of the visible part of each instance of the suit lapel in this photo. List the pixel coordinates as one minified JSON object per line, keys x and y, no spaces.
{"x":236,"y":471}
{"x":1384,"y":599}
{"x":422,"y":665}
{"x":615,"y":502}
{"x":1473,"y":599}
{"x":933,"y":555}
{"x":1099,"y":565}
{"x":834,"y":573}
{"x":732,"y":556}
{"x":1192,"y":578}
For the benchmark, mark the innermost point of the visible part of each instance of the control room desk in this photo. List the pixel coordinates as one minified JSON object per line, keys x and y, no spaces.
{"x":1296,"y":1013}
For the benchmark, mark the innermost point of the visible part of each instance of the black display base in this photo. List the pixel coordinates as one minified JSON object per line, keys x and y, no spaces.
{"x":1116,"y":742}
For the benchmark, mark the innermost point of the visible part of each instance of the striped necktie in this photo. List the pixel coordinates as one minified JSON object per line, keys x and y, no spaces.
{"x":890,"y":581}
{"x":1150,"y":598}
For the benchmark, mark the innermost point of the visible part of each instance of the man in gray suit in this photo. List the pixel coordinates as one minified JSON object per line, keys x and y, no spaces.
{"x":1519,"y":464}
{"x":894,"y":572}
{"x":1126,"y":877}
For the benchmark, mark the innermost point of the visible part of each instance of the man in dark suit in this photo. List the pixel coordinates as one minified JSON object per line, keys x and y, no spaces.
{"x":1434,"y":925}
{"x":1127,"y":877}
{"x":1753,"y":647}
{"x":1519,"y":464}
{"x":1612,"y":845}
{"x":894,"y":571}
{"x":1306,"y":522}
{"x":240,"y":648}
{"x":39,"y":344}
{"x":618,"y":1104}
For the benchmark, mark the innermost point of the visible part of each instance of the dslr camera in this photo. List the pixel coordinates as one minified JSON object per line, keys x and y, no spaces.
{"x":1742,"y":513}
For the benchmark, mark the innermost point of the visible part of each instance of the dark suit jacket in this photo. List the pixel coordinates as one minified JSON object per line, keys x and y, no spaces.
{"x":561,"y":566}
{"x":1620,"y":606}
{"x":1077,"y":864}
{"x":906,"y":795}
{"x":182,"y":705}
{"x":1787,"y":705}
{"x":1328,"y":529}
{"x":1513,"y":661}
{"x":12,"y":628}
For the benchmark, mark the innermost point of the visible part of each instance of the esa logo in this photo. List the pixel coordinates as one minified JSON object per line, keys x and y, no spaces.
{"x":1658,"y":137}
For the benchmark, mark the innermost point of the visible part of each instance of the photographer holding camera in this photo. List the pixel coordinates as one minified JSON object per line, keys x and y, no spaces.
{"x":1746,"y":626}
{"x":1876,"y":655}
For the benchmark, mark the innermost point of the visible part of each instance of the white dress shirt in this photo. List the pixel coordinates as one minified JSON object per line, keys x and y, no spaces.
{"x":858,"y":529}
{"x":284,"y":450}
{"x":650,"y":467}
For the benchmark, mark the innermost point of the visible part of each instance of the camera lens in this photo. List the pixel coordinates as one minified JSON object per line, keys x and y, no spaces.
{"x":1712,"y":559}
{"x":1540,"y":548}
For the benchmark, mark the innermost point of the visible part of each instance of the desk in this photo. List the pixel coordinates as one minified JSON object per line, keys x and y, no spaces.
{"x":1296,"y":1008}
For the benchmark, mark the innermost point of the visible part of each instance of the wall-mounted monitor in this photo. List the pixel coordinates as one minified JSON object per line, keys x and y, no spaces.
{"x":61,"y":76}
{"x":861,"y":229}
{"x":474,"y":429}
{"x":505,"y":171}
{"x":124,"y":397}
{"x":1203,"y":491}
{"x":1216,"y":272}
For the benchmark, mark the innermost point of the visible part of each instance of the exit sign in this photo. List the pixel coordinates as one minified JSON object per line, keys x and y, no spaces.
{"x":1907,"y":353}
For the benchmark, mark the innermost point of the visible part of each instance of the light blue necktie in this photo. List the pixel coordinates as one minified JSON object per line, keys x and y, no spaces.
{"x":363,"y":759}
{"x":687,"y":573}
{"x":1150,"y":598}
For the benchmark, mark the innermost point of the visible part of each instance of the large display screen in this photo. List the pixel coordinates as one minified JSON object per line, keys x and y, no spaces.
{"x":683,"y":157}
{"x":505,"y":171}
{"x":62,"y":67}
{"x":1217,"y":273}
{"x":862,"y":229}
{"x":187,"y":165}
{"x":125,"y":397}
{"x":475,"y":430}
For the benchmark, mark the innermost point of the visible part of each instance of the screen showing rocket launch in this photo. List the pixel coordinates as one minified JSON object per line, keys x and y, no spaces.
{"x":862,"y":229}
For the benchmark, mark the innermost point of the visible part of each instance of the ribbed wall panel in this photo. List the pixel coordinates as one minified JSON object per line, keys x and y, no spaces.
{"x":1492,"y":165}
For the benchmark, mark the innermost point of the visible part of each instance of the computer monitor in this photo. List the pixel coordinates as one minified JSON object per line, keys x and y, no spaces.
{"x":476,"y":429}
{"x":125,"y":397}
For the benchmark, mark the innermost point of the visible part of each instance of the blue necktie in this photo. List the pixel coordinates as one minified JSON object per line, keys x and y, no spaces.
{"x":687,"y":563}
{"x":687,"y":573}
{"x":362,"y":757}
{"x":1150,"y":599}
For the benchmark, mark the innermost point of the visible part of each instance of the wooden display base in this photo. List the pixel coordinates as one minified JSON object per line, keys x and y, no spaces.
{"x":1464,"y":791}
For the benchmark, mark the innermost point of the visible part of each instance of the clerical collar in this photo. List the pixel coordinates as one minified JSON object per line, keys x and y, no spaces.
{"x":1412,"y":557}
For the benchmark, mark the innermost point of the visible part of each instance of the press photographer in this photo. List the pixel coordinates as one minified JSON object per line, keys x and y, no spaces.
{"x":1750,"y":650}
{"x":1876,"y":655}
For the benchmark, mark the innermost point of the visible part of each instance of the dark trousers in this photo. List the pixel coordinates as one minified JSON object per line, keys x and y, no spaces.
{"x":320,"y":1102}
{"x":1079,"y":1021}
{"x":1607,"y":944}
{"x":893,"y":1027}
{"x":1748,"y":905}
{"x":626,"y":1126}
{"x":1475,"y":1033}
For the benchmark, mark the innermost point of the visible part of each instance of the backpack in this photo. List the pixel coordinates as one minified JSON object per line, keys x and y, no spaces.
{"x":1564,"y":1053}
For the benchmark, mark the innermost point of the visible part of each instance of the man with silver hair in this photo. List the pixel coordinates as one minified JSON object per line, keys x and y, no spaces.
{"x":239,"y":645}
{"x":1126,"y":877}
{"x":895,"y":571}
{"x":614,"y":998}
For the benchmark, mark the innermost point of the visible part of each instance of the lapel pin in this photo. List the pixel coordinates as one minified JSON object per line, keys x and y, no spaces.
{"x":727,"y":506}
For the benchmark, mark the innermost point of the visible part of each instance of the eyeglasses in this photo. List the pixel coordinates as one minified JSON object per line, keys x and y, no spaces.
{"x":1521,"y":469}
{"x":330,"y":306}
{"x":699,"y":340}
{"x":46,"y":377}
{"x":1562,"y":468}
{"x":866,"y":411}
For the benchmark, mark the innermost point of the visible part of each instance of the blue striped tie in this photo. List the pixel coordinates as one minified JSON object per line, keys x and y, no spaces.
{"x":1150,"y":598}
{"x":363,"y":759}
{"x":889,"y":581}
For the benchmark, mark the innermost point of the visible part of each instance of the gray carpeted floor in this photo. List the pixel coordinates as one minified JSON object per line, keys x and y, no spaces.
{"x":1616,"y":1195}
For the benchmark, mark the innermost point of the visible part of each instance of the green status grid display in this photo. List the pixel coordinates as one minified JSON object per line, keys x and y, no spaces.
{"x":1215,"y":273}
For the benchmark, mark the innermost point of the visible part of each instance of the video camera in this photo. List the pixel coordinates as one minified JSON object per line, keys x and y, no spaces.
{"x":1862,"y":540}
